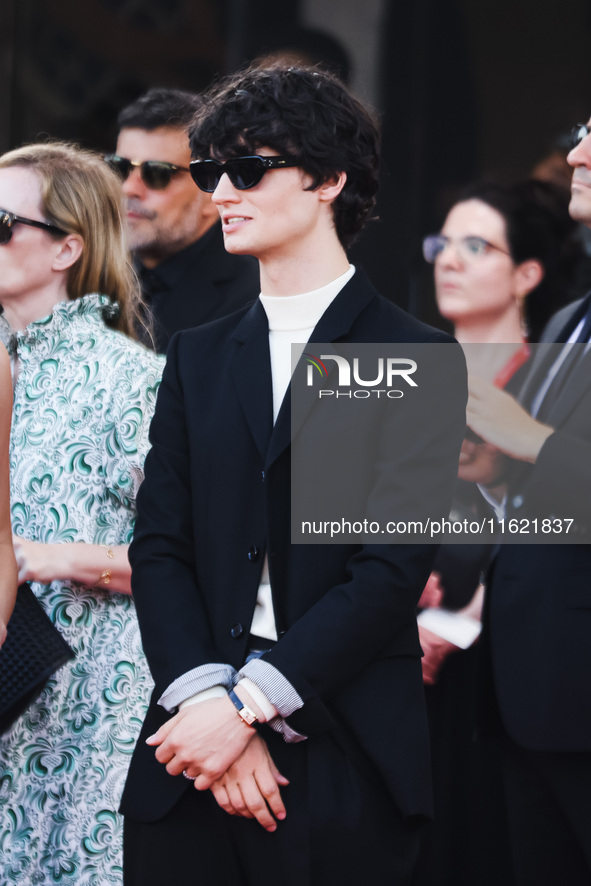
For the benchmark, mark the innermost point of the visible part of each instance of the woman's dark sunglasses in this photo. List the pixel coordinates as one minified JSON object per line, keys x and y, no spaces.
{"x":155,"y":174}
{"x":577,"y":134}
{"x":8,"y":220}
{"x":243,"y":172}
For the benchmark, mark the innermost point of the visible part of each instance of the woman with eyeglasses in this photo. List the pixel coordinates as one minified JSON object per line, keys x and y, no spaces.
{"x":506,"y":259}
{"x":84,"y":393}
{"x":504,"y":262}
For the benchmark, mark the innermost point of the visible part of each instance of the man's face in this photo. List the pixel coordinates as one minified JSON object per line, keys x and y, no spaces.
{"x":162,"y":222}
{"x":580,"y":159}
{"x":276,"y":219}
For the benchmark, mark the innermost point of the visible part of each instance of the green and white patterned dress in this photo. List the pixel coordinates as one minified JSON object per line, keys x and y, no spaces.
{"x":84,"y":398}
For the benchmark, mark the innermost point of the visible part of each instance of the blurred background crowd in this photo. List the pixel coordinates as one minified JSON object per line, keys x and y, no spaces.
{"x":466,"y":93}
{"x":465,"y":90}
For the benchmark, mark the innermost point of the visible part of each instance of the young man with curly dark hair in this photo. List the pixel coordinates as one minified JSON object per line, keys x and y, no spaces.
{"x":286,"y":741}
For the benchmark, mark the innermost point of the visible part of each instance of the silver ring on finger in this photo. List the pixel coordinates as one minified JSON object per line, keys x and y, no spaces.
{"x":188,"y":777}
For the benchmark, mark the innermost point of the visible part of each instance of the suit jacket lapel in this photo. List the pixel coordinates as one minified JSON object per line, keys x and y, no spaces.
{"x":563,"y":323}
{"x":335,"y":324}
{"x":577,"y":385}
{"x":558,"y":330}
{"x":251,"y":372}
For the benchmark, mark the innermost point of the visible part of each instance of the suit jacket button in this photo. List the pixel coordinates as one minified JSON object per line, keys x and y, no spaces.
{"x":236,"y":630}
{"x":253,"y":553}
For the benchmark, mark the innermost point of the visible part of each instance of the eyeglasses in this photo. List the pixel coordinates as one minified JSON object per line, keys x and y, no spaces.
{"x":578,"y":133}
{"x":243,"y":172}
{"x":8,"y":220}
{"x":155,"y":174}
{"x":469,"y":248}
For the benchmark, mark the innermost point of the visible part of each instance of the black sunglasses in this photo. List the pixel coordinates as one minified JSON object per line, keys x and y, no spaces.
{"x":243,"y":172}
{"x":577,"y":134}
{"x":155,"y":174}
{"x":8,"y":220}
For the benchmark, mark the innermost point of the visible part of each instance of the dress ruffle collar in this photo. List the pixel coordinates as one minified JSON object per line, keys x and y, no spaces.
{"x":94,"y":307}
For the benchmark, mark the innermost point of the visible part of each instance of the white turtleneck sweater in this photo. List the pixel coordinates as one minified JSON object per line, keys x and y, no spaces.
{"x":292,"y":319}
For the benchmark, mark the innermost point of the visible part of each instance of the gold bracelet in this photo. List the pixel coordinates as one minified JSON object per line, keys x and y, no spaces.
{"x":106,"y":576}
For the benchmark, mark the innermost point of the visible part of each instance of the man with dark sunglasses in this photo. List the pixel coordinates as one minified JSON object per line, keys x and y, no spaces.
{"x":286,"y":741}
{"x":173,"y":229}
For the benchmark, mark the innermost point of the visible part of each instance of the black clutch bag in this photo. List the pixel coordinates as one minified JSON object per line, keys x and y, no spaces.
{"x":33,"y":650}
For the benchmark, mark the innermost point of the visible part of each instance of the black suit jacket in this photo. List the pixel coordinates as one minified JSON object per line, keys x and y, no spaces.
{"x":216,"y":499}
{"x":199,"y":284}
{"x":539,"y":608}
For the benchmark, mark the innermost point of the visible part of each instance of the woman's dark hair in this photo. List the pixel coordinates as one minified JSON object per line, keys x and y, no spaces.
{"x":302,"y":112}
{"x":538,"y":226}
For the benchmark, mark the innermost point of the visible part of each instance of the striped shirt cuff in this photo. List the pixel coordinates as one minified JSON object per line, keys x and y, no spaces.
{"x":283,"y":728}
{"x":189,"y":684}
{"x":279,"y":692}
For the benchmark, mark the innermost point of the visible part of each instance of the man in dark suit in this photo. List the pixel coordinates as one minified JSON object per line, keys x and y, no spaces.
{"x":538,"y":611}
{"x":173,"y":229}
{"x":286,"y":740}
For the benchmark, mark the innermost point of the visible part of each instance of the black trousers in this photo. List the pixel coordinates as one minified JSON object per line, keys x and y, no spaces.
{"x":549,"y":807}
{"x":341,"y":826}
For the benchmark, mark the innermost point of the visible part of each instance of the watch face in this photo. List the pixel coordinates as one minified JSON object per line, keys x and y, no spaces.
{"x":247,"y":715}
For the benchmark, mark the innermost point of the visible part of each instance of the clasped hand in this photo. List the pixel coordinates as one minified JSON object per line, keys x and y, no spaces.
{"x":210,"y":742}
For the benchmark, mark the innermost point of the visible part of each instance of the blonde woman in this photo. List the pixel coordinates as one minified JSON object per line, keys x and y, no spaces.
{"x":83,"y":398}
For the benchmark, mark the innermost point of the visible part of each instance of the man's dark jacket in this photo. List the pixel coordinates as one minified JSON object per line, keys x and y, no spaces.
{"x":216,"y":500}
{"x":199,"y":284}
{"x":538,"y":628}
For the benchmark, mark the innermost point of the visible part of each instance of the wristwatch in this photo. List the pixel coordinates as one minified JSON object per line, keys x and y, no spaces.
{"x":249,"y":717}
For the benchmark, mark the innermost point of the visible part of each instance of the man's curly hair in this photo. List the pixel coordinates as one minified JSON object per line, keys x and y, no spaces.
{"x":302,"y":112}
